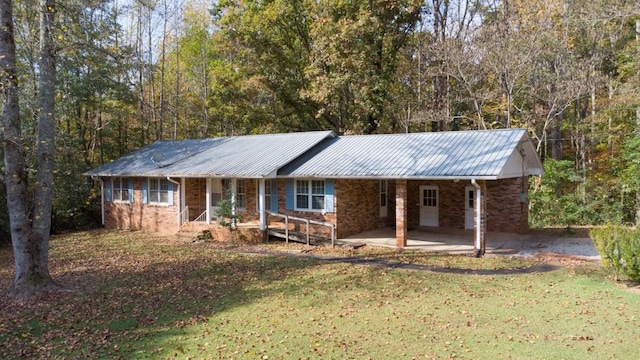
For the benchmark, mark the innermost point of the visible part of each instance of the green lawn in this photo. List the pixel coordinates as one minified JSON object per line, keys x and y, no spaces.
{"x":137,"y":296}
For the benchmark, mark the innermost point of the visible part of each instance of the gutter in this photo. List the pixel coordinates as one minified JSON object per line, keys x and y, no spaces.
{"x":179,"y":200}
{"x":478,"y":242}
{"x":95,"y":178}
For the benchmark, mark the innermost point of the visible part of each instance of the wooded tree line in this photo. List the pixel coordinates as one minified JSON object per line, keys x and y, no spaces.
{"x":130,"y":72}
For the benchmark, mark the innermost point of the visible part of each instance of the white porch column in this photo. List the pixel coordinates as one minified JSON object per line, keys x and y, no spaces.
{"x":183,"y":194}
{"x":261,"y":204}
{"x":208,"y":197}
{"x":479,"y":245}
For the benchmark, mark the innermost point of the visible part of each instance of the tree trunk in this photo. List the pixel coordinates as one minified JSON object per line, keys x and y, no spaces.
{"x":30,"y":237}
{"x":638,"y":134}
{"x":556,"y":138}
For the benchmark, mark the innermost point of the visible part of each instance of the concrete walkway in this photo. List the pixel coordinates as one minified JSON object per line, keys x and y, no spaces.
{"x":453,"y":241}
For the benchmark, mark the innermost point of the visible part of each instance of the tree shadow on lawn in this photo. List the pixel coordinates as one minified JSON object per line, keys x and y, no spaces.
{"x":110,"y":306}
{"x":122,"y":301}
{"x":394,"y":262}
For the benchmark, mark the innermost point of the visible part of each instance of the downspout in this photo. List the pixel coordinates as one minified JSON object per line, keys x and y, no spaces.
{"x":94,"y":178}
{"x":478,"y":250}
{"x":179,"y":200}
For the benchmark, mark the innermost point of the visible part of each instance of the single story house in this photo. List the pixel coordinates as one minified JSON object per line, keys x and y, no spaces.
{"x":458,"y":179}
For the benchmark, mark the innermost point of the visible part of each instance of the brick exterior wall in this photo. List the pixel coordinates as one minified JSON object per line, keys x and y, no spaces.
{"x":318,"y":216}
{"x":401,"y":208}
{"x":139,"y":216}
{"x":250,"y":213}
{"x":195,"y":196}
{"x":451,"y":209}
{"x":356,"y":206}
{"x":505,"y":212}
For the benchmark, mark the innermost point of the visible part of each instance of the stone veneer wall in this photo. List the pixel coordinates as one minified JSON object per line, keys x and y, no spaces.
{"x":139,"y":216}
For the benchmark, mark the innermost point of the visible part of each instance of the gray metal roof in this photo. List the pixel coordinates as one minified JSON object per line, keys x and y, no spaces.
{"x":153,"y":159}
{"x":252,"y":156}
{"x":485,"y":154}
{"x":238,"y":156}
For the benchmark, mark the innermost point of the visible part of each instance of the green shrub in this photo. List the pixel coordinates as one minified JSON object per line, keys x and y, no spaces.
{"x":619,"y":248}
{"x":227,"y":216}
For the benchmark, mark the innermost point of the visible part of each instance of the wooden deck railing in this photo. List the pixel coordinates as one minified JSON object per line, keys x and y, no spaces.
{"x":307,"y":222}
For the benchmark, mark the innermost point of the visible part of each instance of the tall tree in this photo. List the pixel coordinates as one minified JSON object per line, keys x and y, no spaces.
{"x":29,"y":231}
{"x":330,"y":64}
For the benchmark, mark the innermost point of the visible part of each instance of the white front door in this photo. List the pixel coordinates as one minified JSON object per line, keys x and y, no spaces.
{"x":383,"y":199}
{"x":469,"y":199}
{"x":429,"y":205}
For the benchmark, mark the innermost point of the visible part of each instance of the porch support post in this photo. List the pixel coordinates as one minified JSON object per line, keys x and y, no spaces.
{"x":208,"y":197}
{"x":183,"y":194}
{"x":233,"y":201}
{"x":261,"y":205}
{"x":479,"y":245}
{"x":401,"y":213}
{"x":179,"y":210}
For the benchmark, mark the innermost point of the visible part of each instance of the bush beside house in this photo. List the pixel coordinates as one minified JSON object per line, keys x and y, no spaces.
{"x":619,"y":248}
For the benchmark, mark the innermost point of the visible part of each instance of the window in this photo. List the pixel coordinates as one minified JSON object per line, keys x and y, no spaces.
{"x":216,"y":191}
{"x":310,"y":194}
{"x":383,"y":199}
{"x":430,"y":197}
{"x":267,"y":195}
{"x":383,"y":193}
{"x":158,"y":190}
{"x":241,"y":194}
{"x":121,"y":189}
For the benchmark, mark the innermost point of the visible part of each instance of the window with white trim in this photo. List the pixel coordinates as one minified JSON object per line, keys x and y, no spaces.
{"x":158,"y":190}
{"x":430,"y":197}
{"x":267,"y":195}
{"x":383,"y":193}
{"x":310,"y":195}
{"x":241,"y":194}
{"x":120,"y":189}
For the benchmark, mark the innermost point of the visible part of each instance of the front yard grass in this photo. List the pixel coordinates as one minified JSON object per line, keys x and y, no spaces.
{"x":136,"y":296}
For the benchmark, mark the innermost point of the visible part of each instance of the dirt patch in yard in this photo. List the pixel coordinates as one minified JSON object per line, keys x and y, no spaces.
{"x":562,"y":259}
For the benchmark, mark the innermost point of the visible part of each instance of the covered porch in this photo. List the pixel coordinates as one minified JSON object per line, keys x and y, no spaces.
{"x":439,"y":240}
{"x":460,"y":242}
{"x":428,"y":210}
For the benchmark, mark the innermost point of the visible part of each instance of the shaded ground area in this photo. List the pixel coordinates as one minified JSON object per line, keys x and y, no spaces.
{"x":140,"y":296}
{"x":451,"y":241}
{"x":378,"y":261}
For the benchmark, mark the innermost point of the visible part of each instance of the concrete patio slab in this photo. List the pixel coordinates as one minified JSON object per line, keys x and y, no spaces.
{"x":454,"y":241}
